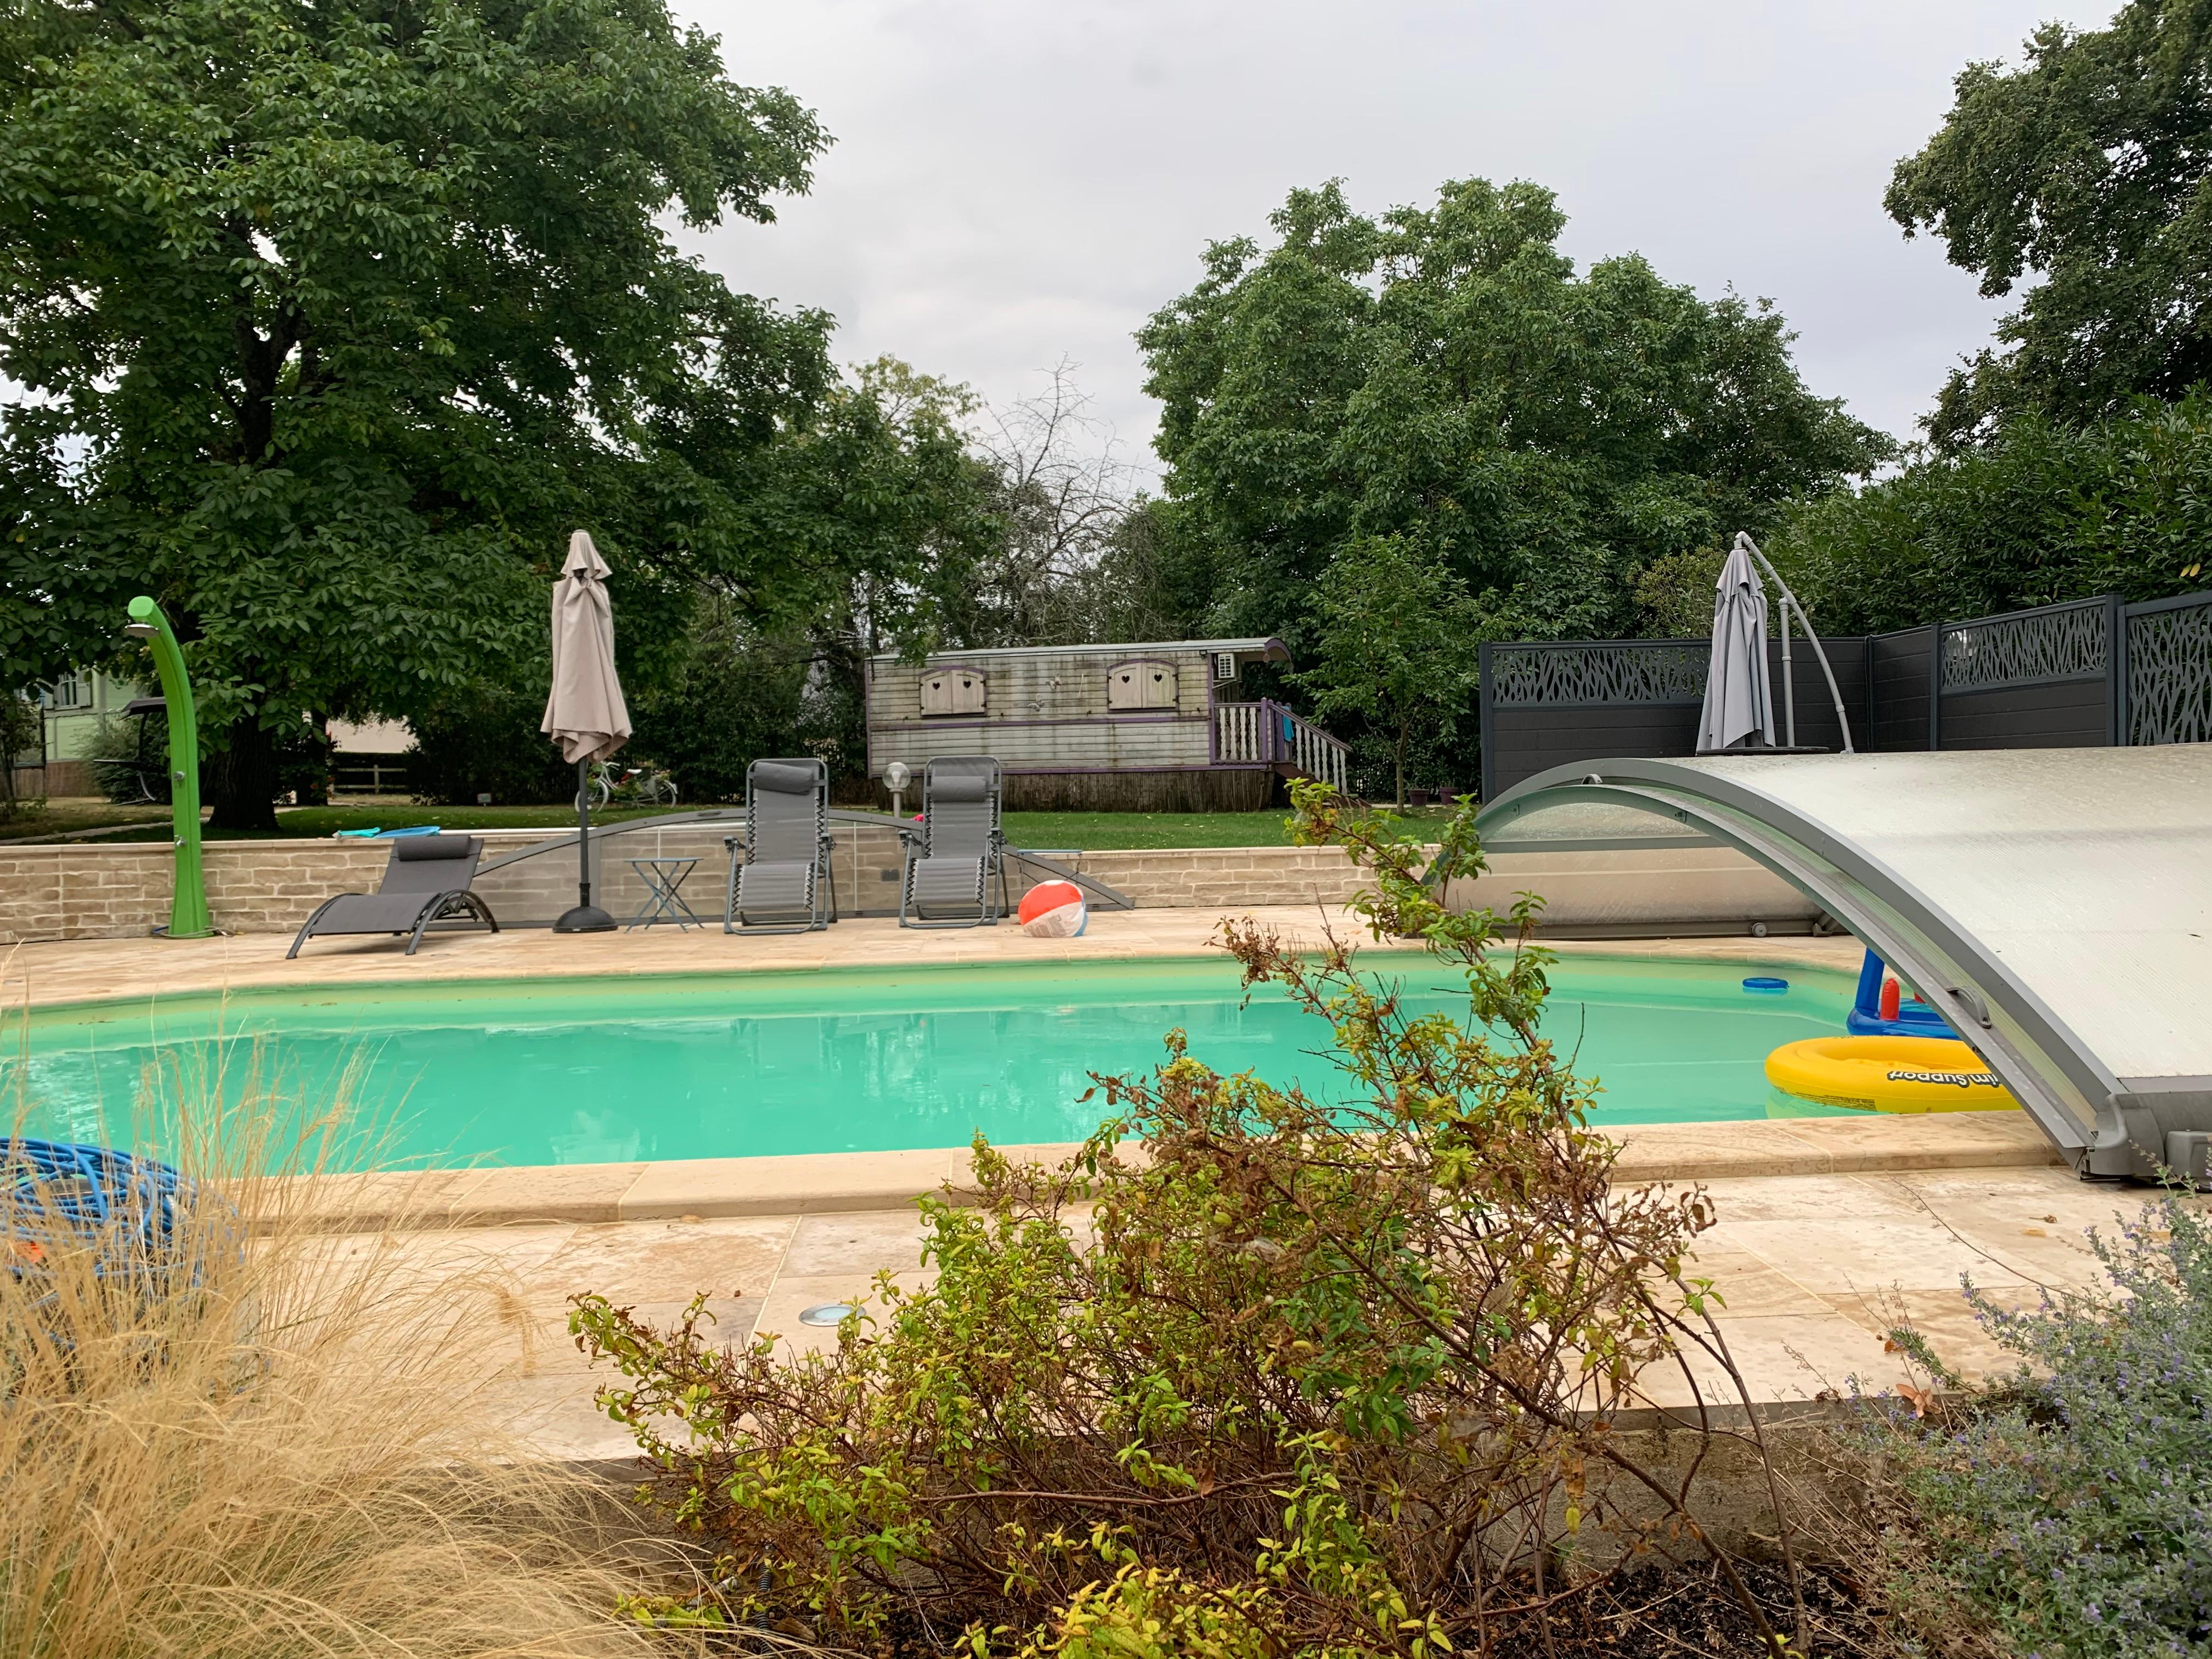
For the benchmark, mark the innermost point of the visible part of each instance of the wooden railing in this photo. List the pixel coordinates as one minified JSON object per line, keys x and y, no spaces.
{"x":1268,"y":734}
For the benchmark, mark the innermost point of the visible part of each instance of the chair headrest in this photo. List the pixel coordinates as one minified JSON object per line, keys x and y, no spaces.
{"x":414,"y":849}
{"x":961,"y":785}
{"x":787,"y":777}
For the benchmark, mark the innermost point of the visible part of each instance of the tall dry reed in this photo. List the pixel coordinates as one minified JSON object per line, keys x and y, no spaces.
{"x":279,"y":1436}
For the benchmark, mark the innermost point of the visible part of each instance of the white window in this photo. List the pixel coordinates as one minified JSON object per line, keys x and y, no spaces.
{"x":1224,"y":665}
{"x":69,"y":691}
{"x":1134,"y":685}
{"x":953,"y":691}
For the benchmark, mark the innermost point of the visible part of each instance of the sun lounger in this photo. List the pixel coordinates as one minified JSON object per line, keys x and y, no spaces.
{"x":952,"y":860}
{"x":427,"y":880}
{"x":781,"y":879}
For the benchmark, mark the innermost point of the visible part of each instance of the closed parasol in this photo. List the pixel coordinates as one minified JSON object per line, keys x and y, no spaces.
{"x":584,"y":713}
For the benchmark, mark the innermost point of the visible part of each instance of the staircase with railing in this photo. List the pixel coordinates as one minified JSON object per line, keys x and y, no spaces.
{"x":1267,"y":734}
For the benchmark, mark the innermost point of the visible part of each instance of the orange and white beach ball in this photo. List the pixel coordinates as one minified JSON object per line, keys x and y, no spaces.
{"x":1054,"y":909}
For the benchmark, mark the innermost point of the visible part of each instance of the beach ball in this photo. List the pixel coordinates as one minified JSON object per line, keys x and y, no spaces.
{"x":1054,"y":909}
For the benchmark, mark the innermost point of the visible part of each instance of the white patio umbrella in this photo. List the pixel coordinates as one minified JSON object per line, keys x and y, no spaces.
{"x":1739,"y":698}
{"x":584,"y":713}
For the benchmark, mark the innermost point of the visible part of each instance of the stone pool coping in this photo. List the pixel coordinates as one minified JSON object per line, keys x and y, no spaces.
{"x":820,"y":1183}
{"x":45,"y":974}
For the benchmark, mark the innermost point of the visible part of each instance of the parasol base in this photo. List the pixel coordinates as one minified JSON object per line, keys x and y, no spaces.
{"x":585,"y":919}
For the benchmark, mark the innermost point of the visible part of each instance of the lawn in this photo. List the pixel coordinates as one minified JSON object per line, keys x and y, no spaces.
{"x":1088,"y":831}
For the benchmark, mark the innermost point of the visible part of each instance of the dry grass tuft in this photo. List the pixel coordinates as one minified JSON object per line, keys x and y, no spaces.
{"x":277,"y":1440}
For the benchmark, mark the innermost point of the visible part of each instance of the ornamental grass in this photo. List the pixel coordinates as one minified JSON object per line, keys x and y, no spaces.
{"x":271,"y":1431}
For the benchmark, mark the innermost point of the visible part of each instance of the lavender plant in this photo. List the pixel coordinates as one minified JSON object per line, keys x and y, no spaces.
{"x":2068,"y":1507}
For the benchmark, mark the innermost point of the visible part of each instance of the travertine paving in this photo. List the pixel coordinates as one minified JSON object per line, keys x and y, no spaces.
{"x":1812,"y":1269}
{"x":78,"y":970}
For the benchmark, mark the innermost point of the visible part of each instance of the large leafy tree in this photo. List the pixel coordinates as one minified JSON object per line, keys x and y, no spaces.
{"x":1397,"y":647}
{"x":1446,"y":375}
{"x":2086,"y":173}
{"x":2037,"y":514}
{"x":328,"y":320}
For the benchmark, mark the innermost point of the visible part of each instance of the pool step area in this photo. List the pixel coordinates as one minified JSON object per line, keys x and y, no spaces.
{"x":832,"y":1183}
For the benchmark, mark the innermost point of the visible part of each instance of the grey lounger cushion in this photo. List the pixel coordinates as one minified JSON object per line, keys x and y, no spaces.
{"x":770,"y":888}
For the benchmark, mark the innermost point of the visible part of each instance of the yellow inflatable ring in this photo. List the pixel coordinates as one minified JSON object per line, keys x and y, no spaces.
{"x":1887,"y":1074}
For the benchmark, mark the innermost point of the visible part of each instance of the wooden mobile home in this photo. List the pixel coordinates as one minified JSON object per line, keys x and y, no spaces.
{"x":1159,"y":728}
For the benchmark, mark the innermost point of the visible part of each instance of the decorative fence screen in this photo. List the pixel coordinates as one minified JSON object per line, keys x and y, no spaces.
{"x":1588,"y":676}
{"x":2169,"y":683}
{"x":2089,"y":672}
{"x":2058,"y":643}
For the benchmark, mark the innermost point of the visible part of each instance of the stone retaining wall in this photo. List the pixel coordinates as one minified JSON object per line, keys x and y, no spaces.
{"x":76,"y":890}
{"x":73,"y":891}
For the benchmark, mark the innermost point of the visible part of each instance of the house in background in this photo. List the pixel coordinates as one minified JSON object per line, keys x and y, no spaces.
{"x":1157,"y":727}
{"x":72,"y":709}
{"x":367,"y":757}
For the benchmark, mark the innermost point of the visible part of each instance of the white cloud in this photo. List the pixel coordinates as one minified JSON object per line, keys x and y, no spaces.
{"x":1017,"y":182}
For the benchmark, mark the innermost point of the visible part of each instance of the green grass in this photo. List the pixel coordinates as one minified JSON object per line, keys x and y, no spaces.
{"x":1088,"y":831}
{"x":53,"y":820}
{"x":308,"y":822}
{"x":1098,"y":831}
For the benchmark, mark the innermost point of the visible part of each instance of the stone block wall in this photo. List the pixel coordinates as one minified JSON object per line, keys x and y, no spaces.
{"x":73,"y":891}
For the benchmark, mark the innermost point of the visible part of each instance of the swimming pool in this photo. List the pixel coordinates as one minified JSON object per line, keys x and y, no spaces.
{"x":587,"y":1071}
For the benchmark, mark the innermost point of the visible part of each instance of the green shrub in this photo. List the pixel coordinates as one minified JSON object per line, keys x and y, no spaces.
{"x":732,"y":696}
{"x":129,"y":759}
{"x":2037,"y":515}
{"x":1330,"y":1373}
{"x":2068,"y":1507}
{"x":486,"y":742}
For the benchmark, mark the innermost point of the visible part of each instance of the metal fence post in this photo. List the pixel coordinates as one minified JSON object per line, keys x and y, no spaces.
{"x":2116,"y":670}
{"x":1935,"y":685}
{"x":1487,"y":778}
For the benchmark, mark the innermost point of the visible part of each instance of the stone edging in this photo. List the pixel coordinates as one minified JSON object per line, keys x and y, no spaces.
{"x":828,"y":1183}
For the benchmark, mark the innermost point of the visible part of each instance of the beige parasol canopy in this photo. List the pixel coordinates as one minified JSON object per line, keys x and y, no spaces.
{"x":585,"y":715}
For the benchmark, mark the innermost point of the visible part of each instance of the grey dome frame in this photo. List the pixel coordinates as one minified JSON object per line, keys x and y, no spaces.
{"x":2102,"y":1124}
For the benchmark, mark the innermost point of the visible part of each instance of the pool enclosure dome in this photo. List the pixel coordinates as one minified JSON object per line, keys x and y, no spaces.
{"x":2054,"y":905}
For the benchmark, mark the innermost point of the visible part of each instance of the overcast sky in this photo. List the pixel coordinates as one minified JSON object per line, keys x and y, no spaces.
{"x":1014,"y":183}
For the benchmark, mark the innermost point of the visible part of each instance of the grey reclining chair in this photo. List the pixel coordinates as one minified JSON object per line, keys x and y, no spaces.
{"x":955,"y":857}
{"x":427,"y":880}
{"x":781,"y":880}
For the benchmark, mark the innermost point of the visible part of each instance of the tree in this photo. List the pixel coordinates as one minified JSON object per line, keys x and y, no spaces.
{"x":2037,"y":514}
{"x":20,"y":716}
{"x":1446,"y":375}
{"x":333,"y":318}
{"x":1397,"y":636}
{"x":1063,"y":495}
{"x":2090,"y":167}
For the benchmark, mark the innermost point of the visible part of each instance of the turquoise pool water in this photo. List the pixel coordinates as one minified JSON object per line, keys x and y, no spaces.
{"x":585,"y":1071}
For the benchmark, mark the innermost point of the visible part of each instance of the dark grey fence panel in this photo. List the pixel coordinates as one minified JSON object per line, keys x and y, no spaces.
{"x":2168,"y":646}
{"x":2082,"y":674}
{"x":1817,"y":726}
{"x":1552,"y":703}
{"x":2030,"y":679}
{"x":1898,"y":668}
{"x":2051,"y":714}
{"x":1519,"y":743}
{"x":1545,"y":703}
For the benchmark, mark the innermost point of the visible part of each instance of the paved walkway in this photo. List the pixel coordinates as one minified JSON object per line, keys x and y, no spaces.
{"x":1812,"y":1269}
{"x":78,"y":970}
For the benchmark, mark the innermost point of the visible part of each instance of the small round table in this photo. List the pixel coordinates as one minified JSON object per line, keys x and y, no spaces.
{"x":664,"y":902}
